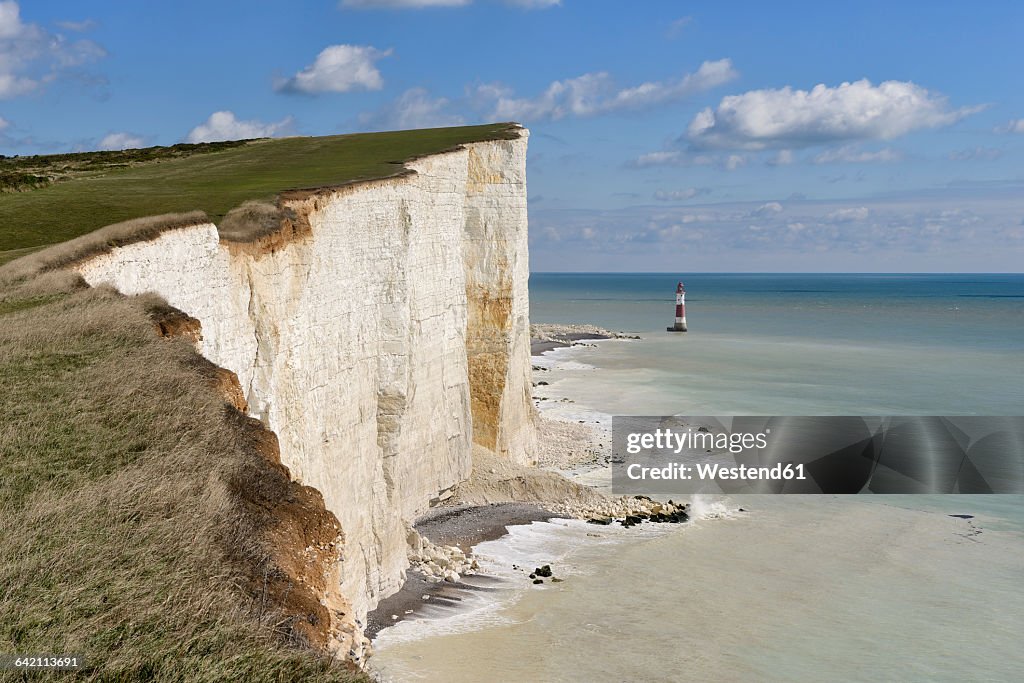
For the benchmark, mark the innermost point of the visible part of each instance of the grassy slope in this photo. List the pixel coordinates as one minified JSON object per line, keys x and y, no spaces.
{"x":130,"y":523}
{"x":20,"y":173}
{"x":214,"y":182}
{"x":135,"y":511}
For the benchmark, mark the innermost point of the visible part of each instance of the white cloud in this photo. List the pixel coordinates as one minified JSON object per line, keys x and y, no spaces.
{"x":10,"y":20}
{"x":709,"y":75}
{"x":848,"y":215}
{"x":4,"y":123}
{"x":222,"y":125}
{"x":552,"y":234}
{"x":734,"y":161}
{"x":849,"y":154}
{"x":788,"y":118}
{"x":941,"y":228}
{"x":31,"y":57}
{"x":975,"y":154}
{"x":680,"y":195}
{"x":767,"y":209}
{"x":12,"y":86}
{"x":1012,"y":126}
{"x":731,"y":161}
{"x":122,"y":141}
{"x":668,"y":158}
{"x":338,"y":68}
{"x":725,"y":162}
{"x":595,"y":93}
{"x":414,"y":108}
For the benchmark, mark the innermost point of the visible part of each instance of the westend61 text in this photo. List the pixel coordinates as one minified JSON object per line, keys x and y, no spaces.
{"x":709,"y":472}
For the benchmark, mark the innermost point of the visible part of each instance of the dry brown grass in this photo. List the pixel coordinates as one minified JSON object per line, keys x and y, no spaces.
{"x":253,"y":220}
{"x":96,"y":242}
{"x":136,"y":507}
{"x":250,"y":222}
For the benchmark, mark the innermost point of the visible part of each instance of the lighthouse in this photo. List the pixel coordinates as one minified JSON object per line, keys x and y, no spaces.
{"x":680,"y":325}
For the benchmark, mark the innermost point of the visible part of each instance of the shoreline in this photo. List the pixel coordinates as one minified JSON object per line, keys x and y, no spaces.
{"x":465,"y":526}
{"x":462,"y":526}
{"x":468,"y":525}
{"x":540,"y":347}
{"x":546,"y":337}
{"x":577,"y":438}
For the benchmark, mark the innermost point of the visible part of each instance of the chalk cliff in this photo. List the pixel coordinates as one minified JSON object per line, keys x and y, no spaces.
{"x":379,"y":334}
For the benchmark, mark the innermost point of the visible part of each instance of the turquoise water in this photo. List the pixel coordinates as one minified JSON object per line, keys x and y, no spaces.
{"x":799,"y":588}
{"x":966,"y":311}
{"x":798,"y":344}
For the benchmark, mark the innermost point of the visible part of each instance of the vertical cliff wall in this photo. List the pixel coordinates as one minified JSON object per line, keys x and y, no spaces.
{"x":497,"y":275}
{"x":378,"y":342}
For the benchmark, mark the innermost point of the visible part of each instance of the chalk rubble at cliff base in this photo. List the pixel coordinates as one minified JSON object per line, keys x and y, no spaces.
{"x":568,"y":333}
{"x":438,"y":562}
{"x":545,"y":337}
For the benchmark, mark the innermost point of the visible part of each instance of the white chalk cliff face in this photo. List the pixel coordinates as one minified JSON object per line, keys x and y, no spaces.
{"x":378,"y":345}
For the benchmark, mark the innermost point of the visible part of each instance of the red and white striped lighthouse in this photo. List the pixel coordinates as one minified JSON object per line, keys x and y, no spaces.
{"x":680,"y":325}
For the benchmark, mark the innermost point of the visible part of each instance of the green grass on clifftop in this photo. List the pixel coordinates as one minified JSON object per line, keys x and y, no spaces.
{"x":88,"y":191}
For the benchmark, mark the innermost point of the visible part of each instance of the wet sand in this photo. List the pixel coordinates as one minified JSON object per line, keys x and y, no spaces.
{"x":539,"y":347}
{"x":463,"y":526}
{"x":547,"y":336}
{"x":468,"y":525}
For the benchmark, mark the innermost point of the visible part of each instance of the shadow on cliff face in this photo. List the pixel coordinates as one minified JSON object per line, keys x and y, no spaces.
{"x":146,"y":523}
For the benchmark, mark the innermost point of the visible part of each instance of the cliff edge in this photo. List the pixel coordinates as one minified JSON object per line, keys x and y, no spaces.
{"x":379,"y":332}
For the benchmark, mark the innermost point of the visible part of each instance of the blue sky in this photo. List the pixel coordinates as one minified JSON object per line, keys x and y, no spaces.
{"x":700,"y":136}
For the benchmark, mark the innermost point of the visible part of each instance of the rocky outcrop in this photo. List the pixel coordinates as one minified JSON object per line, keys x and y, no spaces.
{"x":379,"y":333}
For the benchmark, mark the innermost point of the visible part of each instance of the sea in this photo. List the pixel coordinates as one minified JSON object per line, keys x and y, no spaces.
{"x":793,"y":588}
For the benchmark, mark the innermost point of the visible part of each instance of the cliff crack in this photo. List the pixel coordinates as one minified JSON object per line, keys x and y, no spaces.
{"x":253,"y":314}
